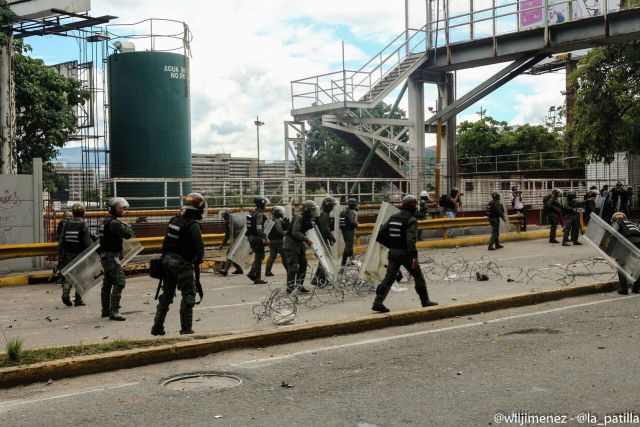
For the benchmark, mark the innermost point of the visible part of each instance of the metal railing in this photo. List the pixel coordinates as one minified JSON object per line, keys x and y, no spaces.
{"x":477,"y":19}
{"x":519,"y":162}
{"x":352,"y":85}
{"x":154,"y":243}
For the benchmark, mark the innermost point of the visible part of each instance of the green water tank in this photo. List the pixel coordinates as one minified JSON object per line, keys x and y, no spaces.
{"x":149,"y":123}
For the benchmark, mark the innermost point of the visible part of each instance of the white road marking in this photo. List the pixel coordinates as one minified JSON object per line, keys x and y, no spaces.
{"x":431,"y":331}
{"x":6,"y":405}
{"x":226,"y":306}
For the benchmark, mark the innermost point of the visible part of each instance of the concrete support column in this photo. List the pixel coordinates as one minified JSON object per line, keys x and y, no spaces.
{"x":446,"y":96}
{"x":416,"y":134}
{"x":8,"y":163}
{"x":38,"y":226}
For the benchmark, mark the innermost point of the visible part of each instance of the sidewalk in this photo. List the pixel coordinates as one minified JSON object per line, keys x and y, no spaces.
{"x":36,"y":313}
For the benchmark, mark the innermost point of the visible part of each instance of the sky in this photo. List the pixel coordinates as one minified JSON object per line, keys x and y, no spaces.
{"x":245,"y":53}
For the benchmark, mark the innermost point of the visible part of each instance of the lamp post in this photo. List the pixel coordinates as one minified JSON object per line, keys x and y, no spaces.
{"x":258,"y":123}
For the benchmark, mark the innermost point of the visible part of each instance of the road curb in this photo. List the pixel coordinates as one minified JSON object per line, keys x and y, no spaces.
{"x":85,"y":365}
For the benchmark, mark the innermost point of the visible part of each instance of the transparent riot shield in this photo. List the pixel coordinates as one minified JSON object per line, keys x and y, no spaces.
{"x":374,"y":266}
{"x":338,"y":246}
{"x":240,"y":251}
{"x":616,"y":249}
{"x":322,"y":253}
{"x":504,"y":221}
{"x":85,"y":272}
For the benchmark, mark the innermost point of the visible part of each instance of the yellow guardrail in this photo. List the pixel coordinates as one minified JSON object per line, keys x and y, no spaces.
{"x":444,"y":224}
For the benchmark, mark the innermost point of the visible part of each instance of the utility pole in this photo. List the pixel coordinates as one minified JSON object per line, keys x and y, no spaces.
{"x":258,"y":123}
{"x":482,"y":112}
{"x":7,"y":107}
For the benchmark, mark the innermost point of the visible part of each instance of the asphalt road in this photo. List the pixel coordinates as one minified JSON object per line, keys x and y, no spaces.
{"x":36,"y":314}
{"x":562,"y":358}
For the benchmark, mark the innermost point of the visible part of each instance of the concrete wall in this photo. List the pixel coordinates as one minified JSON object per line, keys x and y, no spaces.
{"x":21,"y":216}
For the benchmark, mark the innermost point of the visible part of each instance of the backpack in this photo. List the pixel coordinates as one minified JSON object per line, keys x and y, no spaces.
{"x":443,"y":201}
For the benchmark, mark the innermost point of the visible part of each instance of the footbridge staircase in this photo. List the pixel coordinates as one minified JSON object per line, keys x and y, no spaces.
{"x":519,"y":33}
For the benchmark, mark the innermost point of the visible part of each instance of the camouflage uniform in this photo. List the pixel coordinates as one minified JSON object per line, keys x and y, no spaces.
{"x":401,"y":229}
{"x":182,"y":248}
{"x":112,"y":233}
{"x":256,"y":237}
{"x":74,"y":237}
{"x":571,"y":221}
{"x":553,"y":206}
{"x":294,"y":248}
{"x":495,"y":211}
{"x":348,"y":225}
{"x":276,"y":239}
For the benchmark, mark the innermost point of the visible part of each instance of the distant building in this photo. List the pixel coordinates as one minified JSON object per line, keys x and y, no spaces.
{"x":76,"y":181}
{"x":215,"y":172}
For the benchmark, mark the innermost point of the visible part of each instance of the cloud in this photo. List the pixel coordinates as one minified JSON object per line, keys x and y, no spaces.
{"x":227,"y":128}
{"x":245,"y":53}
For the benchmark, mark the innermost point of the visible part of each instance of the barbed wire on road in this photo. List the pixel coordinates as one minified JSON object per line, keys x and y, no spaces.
{"x":281,"y":307}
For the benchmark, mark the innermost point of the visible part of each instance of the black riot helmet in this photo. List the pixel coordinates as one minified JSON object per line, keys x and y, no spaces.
{"x":571,"y":195}
{"x":495,"y":195}
{"x":409,"y":203}
{"x":78,"y":210}
{"x":352,"y":203}
{"x":328,"y":203}
{"x":261,"y":202}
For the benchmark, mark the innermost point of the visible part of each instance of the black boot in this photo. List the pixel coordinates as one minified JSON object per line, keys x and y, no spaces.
{"x":157,"y":330}
{"x":77,"y":301}
{"x":66,"y":298}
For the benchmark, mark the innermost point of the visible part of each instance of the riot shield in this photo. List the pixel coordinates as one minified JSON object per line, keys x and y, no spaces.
{"x":240,"y":251}
{"x":338,"y":246}
{"x":374,"y":266}
{"x":616,"y":249}
{"x":322,"y":253}
{"x":85,"y":272}
{"x":504,"y":223}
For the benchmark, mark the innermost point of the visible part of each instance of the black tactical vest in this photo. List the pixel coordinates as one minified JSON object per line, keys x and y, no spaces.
{"x":628,"y":228}
{"x":178,"y":240}
{"x":72,"y":232}
{"x":398,"y":231}
{"x":109,"y":241}
{"x":252,"y":223}
{"x":345,"y":224}
{"x":492,"y":210}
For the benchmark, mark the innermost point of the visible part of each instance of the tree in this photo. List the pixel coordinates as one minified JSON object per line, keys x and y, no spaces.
{"x":481,"y":138}
{"x":329,"y":155}
{"x":606,"y":117}
{"x":45,"y":108}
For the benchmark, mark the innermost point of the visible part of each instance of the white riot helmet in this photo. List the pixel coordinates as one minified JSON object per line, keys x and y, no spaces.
{"x":114,"y":202}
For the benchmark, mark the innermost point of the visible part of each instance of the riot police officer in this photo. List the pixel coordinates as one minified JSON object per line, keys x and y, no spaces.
{"x":495,"y":211}
{"x":631,"y":232}
{"x":276,"y":237}
{"x":553,"y":209}
{"x":257,"y":238}
{"x":182,"y":251}
{"x":325,"y":225}
{"x":66,"y":217}
{"x":400,"y":237}
{"x":75,"y":237}
{"x":348,"y":225}
{"x":112,"y":232}
{"x":294,"y":246}
{"x":422,"y":211}
{"x":230,"y":233}
{"x":571,"y":219}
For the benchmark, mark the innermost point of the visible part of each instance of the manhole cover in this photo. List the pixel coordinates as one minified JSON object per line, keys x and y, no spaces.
{"x":202,"y":381}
